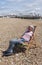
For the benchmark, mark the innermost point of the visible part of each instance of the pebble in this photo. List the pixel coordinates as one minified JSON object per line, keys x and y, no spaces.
{"x":17,"y":54}
{"x":0,"y":60}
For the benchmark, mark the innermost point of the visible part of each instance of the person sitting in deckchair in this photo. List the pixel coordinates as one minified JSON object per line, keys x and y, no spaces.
{"x":24,"y":38}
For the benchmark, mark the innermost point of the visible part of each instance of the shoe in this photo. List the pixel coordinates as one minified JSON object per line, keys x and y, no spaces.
{"x":7,"y":53}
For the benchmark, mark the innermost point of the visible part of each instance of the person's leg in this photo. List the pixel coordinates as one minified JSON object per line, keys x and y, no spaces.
{"x":9,"y":51}
{"x":15,"y":41}
{"x":12,"y":44}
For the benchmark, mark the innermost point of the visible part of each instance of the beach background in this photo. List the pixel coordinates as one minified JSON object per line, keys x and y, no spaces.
{"x":11,"y":28}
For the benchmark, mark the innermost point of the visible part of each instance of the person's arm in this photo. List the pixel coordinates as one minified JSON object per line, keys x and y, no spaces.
{"x":32,"y":37}
{"x":25,"y":32}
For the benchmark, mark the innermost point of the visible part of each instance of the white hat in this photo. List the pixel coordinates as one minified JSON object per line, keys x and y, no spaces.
{"x":32,"y":26}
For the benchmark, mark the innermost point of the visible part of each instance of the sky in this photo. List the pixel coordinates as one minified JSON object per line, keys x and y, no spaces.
{"x":20,"y":6}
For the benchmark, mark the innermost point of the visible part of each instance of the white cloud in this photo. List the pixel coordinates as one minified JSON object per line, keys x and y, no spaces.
{"x":15,"y":0}
{"x":35,"y":4}
{"x":24,"y":6}
{"x":3,"y":3}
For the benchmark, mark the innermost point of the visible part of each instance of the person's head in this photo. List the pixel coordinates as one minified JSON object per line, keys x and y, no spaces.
{"x":31,"y":28}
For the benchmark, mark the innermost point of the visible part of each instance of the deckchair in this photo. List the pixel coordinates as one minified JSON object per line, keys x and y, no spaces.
{"x":26,"y":43}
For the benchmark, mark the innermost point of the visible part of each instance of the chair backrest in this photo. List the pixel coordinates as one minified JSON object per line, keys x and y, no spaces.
{"x":33,"y":32}
{"x":34,"y":29}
